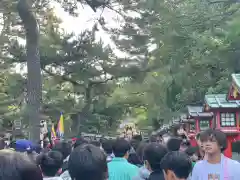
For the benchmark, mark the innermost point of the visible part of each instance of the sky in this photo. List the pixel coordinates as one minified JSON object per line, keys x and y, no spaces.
{"x":87,"y":17}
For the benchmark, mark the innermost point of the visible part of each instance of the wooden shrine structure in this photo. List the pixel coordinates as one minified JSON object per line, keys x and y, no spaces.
{"x":220,"y":111}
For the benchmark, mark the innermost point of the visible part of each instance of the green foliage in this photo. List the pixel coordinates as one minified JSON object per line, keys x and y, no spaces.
{"x":177,"y":51}
{"x":196,"y":52}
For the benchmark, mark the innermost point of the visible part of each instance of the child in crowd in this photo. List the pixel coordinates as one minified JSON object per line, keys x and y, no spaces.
{"x":216,"y":166}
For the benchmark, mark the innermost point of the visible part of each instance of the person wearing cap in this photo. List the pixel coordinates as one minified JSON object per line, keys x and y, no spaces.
{"x":23,"y":145}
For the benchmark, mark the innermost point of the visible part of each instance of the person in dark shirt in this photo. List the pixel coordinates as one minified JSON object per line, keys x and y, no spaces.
{"x":153,"y":154}
{"x":133,"y":157}
{"x":65,"y":149}
{"x":107,"y":145}
{"x":50,"y":163}
{"x":176,"y":165}
{"x":96,"y":143}
{"x":88,"y":162}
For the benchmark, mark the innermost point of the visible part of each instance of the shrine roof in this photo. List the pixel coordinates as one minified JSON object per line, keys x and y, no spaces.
{"x":236,"y":79}
{"x":220,"y":101}
{"x":198,"y":111}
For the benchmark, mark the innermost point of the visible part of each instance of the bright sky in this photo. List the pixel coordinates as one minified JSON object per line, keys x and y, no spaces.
{"x":87,"y":17}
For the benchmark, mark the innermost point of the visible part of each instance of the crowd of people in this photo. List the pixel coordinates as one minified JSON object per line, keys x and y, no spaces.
{"x":158,"y":158}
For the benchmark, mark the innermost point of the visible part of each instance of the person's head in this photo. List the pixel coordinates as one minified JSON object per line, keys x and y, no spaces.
{"x":87,"y":162}
{"x":23,"y":145}
{"x":176,"y":165}
{"x":214,"y":141}
{"x":107,"y":145}
{"x":17,"y":166}
{"x":153,"y":154}
{"x":50,"y":163}
{"x":180,"y":131}
{"x":95,"y":143}
{"x":63,"y":147}
{"x":184,"y":144}
{"x":140,"y":151}
{"x":121,"y":148}
{"x":134,"y":144}
{"x":79,"y":142}
{"x":174,"y":143}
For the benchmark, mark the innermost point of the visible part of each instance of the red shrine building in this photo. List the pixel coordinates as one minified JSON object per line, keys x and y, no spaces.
{"x":198,"y":120}
{"x":201,"y":120}
{"x":220,"y":111}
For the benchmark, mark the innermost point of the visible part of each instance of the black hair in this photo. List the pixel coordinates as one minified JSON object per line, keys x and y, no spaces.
{"x":153,"y":153}
{"x":190,"y":151}
{"x":63,"y":147}
{"x":87,"y":162}
{"x":107,"y":145}
{"x":178,"y":162}
{"x":79,"y":142}
{"x":121,"y":147}
{"x":17,"y":166}
{"x":137,"y":137}
{"x":218,"y":135}
{"x":174,"y":143}
{"x":50,"y":163}
{"x":95,"y":143}
{"x":140,"y":151}
{"x":134,"y":159}
{"x":134,"y":144}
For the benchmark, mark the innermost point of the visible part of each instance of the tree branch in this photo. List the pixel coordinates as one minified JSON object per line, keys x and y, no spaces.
{"x":75,"y":82}
{"x":95,"y":82}
{"x":63,"y":78}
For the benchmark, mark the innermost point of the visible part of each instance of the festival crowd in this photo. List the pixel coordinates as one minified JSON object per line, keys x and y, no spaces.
{"x":161,"y":157}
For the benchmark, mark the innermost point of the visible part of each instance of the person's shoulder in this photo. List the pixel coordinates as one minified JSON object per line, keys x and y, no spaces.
{"x":234,"y":167}
{"x":132,"y":166}
{"x":53,"y":178}
{"x":233,"y":162}
{"x":65,"y":175}
{"x":114,"y":163}
{"x":110,"y":163}
{"x":199,"y":164}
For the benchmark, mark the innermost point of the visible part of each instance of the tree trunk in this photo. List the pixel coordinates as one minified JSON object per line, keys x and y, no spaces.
{"x":34,"y":83}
